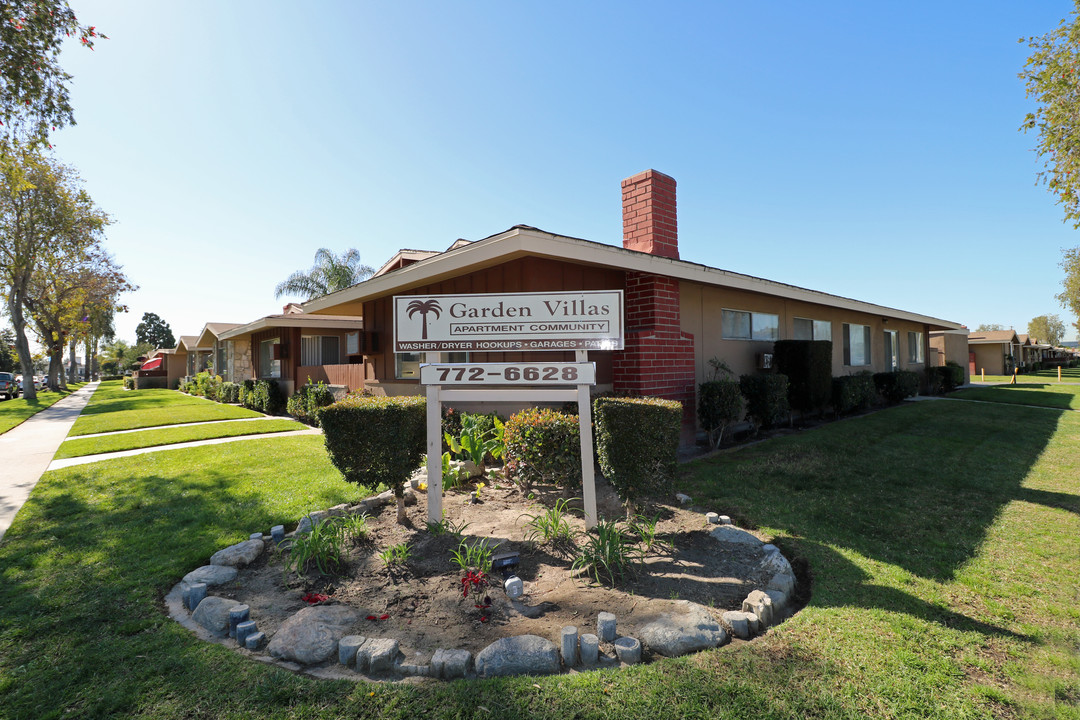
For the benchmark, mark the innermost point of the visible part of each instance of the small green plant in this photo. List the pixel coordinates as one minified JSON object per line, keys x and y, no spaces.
{"x":447,"y":527}
{"x":650,"y":540}
{"x":396,"y":556}
{"x":468,"y":556}
{"x":474,"y":496}
{"x":478,"y":438}
{"x":355,"y":527}
{"x":608,"y":553}
{"x":551,"y":527}
{"x":320,"y":549}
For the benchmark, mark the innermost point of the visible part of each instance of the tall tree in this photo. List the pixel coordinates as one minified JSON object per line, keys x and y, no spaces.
{"x":155,"y":331}
{"x":45,"y":215}
{"x":1048,"y":329}
{"x":329,"y":274}
{"x":990,"y":327}
{"x":33,"y":86}
{"x":1069,"y":297}
{"x":8,"y":358}
{"x":1051,"y":78}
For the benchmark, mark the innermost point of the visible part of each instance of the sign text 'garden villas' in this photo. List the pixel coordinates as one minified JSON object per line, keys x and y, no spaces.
{"x":590,"y":320}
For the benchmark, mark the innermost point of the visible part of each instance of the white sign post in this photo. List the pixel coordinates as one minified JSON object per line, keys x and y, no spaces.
{"x":577,"y":321}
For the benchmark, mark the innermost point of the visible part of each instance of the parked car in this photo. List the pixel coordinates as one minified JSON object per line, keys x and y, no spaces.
{"x":22,"y":388}
{"x":8,"y":387}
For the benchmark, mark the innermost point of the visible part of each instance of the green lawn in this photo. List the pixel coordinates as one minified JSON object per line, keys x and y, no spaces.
{"x":14,"y":412}
{"x":114,"y":408}
{"x":941,"y":540}
{"x":78,"y":447}
{"x":1026,"y":392}
{"x":1067,"y":375}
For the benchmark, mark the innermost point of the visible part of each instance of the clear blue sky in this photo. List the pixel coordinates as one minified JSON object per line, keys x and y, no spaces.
{"x":864,"y":149}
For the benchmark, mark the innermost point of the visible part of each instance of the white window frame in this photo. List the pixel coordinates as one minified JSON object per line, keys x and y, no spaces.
{"x":864,"y":332}
{"x":751,"y":317}
{"x":916,"y":352}
{"x":402,"y":365}
{"x":273,"y":369}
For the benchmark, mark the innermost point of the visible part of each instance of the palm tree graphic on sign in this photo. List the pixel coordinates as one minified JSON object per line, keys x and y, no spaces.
{"x":424,"y":307}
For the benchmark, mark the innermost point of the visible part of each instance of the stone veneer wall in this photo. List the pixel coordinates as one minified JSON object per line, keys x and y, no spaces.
{"x":239,"y":359}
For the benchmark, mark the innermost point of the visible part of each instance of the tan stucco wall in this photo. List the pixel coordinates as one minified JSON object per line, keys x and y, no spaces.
{"x":990,"y":357}
{"x":700,"y":312}
{"x":950,"y":347}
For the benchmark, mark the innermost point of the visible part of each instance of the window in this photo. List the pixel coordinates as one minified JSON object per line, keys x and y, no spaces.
{"x":407,"y":366}
{"x":457,"y":357}
{"x":892,"y":349}
{"x":320,"y":350}
{"x":915,"y":347}
{"x":856,"y":344}
{"x":741,"y":325}
{"x":812,"y":329}
{"x":352,"y":343}
{"x":268,"y":366}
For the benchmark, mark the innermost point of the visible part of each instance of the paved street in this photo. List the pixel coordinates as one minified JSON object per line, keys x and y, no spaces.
{"x":27,"y":450}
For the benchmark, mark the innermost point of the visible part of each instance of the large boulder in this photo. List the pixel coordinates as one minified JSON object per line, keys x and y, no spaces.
{"x":684,"y":632}
{"x":211,"y":575}
{"x":311,"y":636}
{"x":732,"y":534}
{"x":239,"y":554}
{"x":520,"y":655}
{"x":213,"y":614}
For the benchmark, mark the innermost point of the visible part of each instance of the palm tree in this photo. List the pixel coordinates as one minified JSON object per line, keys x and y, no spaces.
{"x":423,"y":307}
{"x":329,"y":274}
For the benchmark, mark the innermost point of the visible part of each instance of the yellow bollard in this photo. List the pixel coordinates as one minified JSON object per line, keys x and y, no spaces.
{"x":1014,"y":377}
{"x":1059,"y":373}
{"x":983,"y":372}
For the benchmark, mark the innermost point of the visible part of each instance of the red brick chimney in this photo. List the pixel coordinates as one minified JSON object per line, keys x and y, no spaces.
{"x":649,"y":214}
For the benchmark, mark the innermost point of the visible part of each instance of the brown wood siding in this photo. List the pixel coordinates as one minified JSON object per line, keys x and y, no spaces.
{"x":528,"y":274}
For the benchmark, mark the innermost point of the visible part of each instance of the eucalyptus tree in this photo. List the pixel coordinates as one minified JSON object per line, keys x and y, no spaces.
{"x":45,"y":217}
{"x":329,"y":274}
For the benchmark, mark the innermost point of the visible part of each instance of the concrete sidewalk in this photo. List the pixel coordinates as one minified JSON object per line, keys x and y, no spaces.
{"x":27,"y":449}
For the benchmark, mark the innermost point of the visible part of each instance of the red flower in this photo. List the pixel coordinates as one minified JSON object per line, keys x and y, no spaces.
{"x":384,"y":617}
{"x":315,"y":598}
{"x":371,"y":617}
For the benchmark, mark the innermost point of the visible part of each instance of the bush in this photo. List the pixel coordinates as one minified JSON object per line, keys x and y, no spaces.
{"x":853,"y":392}
{"x":206,"y":385}
{"x":377,"y":440}
{"x":228,"y":392}
{"x":247,"y":388}
{"x":766,"y":398}
{"x":187,"y":387}
{"x":103,"y":378}
{"x":896,"y":385}
{"x":720,"y":404}
{"x":129,"y":383}
{"x":946,"y":378}
{"x":306,"y":402}
{"x":808,"y":366}
{"x":543,"y":445}
{"x":637,"y":440}
{"x":267,"y":397}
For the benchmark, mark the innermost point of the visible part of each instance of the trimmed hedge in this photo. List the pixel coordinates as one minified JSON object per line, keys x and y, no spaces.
{"x":808,"y":366}
{"x":853,"y":392}
{"x":946,"y":378}
{"x":720,"y":404}
{"x":247,"y":387}
{"x":896,"y":385}
{"x":228,"y":392}
{"x":766,"y":398}
{"x":306,"y":402}
{"x":637,"y":441}
{"x":543,"y":445}
{"x":376,"y":440}
{"x":129,"y":383}
{"x":104,"y":378}
{"x":263,"y":395}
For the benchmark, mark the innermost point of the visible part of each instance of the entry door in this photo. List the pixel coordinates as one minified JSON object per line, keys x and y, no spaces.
{"x":971,"y":363}
{"x":892,"y":349}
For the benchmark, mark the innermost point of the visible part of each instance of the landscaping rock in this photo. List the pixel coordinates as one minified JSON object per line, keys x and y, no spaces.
{"x":679,"y":634}
{"x":347,"y":647}
{"x":738,"y":622}
{"x":628,"y":650}
{"x":712,"y":518}
{"x":590,"y":649}
{"x":683,"y":498}
{"x":732,"y":534}
{"x":387,"y":498}
{"x":213,"y":614}
{"x":779,"y":600}
{"x":569,"y":649}
{"x":754,"y":623}
{"x":193,"y":594}
{"x":239,"y":614}
{"x":725,"y":520}
{"x":377,"y":655}
{"x":520,"y":655}
{"x":239,"y":554}
{"x":605,"y":627}
{"x":245,"y":630}
{"x":311,"y":635}
{"x":414,"y":670}
{"x":449,"y":664}
{"x":784,"y":582}
{"x":211,"y":575}
{"x":775,"y":562}
{"x":255,"y":640}
{"x":760,"y":604}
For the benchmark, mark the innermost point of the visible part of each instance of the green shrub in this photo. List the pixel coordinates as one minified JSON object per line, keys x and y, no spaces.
{"x":264,"y":396}
{"x":306,"y":402}
{"x":228,"y":392}
{"x":946,"y":378}
{"x":104,"y":378}
{"x":766,"y":398}
{"x":247,"y":389}
{"x":896,"y":385}
{"x":637,"y":442}
{"x":720,"y":404}
{"x":129,"y":383}
{"x":377,"y":440}
{"x":206,"y":385}
{"x":543,"y":445}
{"x":852,"y":393}
{"x":808,"y":366}
{"x":607,"y":552}
{"x":187,"y":387}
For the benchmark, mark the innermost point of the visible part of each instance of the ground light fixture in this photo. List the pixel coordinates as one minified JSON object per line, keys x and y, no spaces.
{"x":505,"y":564}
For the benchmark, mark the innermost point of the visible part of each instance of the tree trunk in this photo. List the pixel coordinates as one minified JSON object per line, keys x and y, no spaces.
{"x":89,"y":361}
{"x":399,"y":495}
{"x":73,"y":368}
{"x":22,"y":346}
{"x":56,"y":368}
